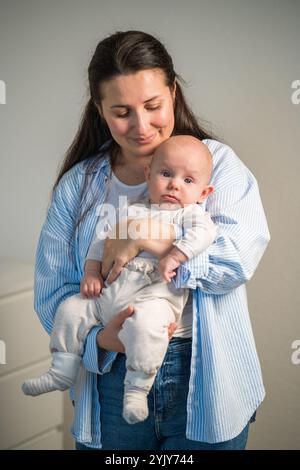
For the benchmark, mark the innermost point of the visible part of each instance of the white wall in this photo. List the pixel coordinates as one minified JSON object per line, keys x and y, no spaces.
{"x":239,"y":59}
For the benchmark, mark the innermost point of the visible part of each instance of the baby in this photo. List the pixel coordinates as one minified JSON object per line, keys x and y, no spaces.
{"x":178,"y":180}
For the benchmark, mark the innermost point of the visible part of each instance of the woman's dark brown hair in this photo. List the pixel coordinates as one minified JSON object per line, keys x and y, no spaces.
{"x":119,"y":54}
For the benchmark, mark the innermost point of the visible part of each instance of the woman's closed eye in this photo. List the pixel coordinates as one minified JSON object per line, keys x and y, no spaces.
{"x":153,"y":108}
{"x":127,"y":113}
{"x":123,"y":115}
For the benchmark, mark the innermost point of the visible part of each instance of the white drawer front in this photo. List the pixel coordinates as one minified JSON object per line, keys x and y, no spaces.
{"x":23,"y":417}
{"x":25,"y":340}
{"x":52,"y":440}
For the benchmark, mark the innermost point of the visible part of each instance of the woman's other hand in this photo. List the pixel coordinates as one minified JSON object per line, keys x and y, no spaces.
{"x":108,"y":337}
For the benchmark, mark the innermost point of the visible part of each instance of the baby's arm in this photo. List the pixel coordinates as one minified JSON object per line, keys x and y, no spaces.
{"x":92,"y":282}
{"x":200,"y":233}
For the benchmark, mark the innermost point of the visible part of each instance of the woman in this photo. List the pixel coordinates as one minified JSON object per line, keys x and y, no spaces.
{"x":210,"y":384}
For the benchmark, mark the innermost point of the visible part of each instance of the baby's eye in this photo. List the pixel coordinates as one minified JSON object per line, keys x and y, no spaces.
{"x":165,"y":173}
{"x":188,"y":180}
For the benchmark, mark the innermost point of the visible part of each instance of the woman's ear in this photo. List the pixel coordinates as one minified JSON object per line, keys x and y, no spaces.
{"x":99,"y":108}
{"x":205,"y":193}
{"x":173,"y":91}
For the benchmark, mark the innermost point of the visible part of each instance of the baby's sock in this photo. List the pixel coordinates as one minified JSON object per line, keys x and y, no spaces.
{"x":135,"y":405}
{"x":61,"y":375}
{"x":47,"y":382}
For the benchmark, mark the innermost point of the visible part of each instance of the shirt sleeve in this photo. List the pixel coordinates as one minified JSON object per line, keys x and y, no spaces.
{"x":199,"y":231}
{"x":242,"y":231}
{"x":56,"y":276}
{"x":96,"y":359}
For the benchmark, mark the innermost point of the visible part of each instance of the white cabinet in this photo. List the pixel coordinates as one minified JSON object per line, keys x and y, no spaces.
{"x":25,"y":422}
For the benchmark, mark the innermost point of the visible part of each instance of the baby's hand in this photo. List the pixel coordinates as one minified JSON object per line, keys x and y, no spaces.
{"x":167,"y":266}
{"x":91,"y":284}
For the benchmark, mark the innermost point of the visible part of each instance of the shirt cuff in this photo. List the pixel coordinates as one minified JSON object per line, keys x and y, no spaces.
{"x":95,"y":359}
{"x":191,"y":270}
{"x":182,"y":246}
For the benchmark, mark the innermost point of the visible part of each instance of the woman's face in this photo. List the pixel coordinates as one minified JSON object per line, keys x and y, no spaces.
{"x":139,"y":111}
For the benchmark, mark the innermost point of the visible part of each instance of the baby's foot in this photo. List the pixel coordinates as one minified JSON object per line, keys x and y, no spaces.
{"x":46,"y":383}
{"x":135,"y":406}
{"x":61,"y":375}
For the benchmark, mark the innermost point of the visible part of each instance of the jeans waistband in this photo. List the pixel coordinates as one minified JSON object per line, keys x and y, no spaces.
{"x":178,"y":342}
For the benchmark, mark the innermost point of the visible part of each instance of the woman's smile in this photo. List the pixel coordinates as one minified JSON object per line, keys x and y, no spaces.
{"x":145,"y":140}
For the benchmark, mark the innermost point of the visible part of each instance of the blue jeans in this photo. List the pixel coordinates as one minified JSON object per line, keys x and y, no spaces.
{"x":165,"y":427}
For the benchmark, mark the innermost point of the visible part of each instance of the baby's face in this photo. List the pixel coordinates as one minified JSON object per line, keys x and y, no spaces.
{"x":178,"y":175}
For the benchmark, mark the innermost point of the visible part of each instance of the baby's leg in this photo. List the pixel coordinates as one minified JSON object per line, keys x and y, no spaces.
{"x":73,"y":320}
{"x":145,"y":337}
{"x":122,"y":292}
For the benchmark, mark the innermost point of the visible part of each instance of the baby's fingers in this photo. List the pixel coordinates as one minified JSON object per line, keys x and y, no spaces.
{"x":167,"y":276}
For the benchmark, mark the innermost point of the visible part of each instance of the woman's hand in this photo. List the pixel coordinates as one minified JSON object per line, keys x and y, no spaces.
{"x":117,"y":253}
{"x":136,"y":235}
{"x":108,"y":337}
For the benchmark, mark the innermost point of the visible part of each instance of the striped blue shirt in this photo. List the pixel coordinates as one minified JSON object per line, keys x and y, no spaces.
{"x":226,"y":384}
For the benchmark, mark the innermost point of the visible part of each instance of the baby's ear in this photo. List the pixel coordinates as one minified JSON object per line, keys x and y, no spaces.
{"x":205,"y":193}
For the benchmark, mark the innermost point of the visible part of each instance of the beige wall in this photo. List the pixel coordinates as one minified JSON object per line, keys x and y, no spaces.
{"x":239,"y":59}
